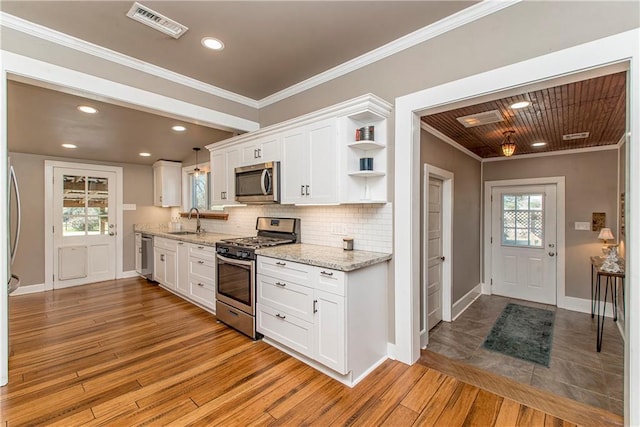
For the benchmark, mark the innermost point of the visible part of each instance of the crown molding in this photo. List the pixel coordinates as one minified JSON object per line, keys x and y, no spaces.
{"x":44,"y":33}
{"x":449,"y":141}
{"x":449,"y":23}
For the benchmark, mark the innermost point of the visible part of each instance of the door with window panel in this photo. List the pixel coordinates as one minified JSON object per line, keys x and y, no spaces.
{"x":523,"y":243}
{"x":84,"y":226}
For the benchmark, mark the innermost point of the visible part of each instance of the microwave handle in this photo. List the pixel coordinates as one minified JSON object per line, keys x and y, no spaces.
{"x":265,"y":181}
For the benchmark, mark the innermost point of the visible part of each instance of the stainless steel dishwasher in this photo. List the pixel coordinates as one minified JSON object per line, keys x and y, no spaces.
{"x":147,"y":256}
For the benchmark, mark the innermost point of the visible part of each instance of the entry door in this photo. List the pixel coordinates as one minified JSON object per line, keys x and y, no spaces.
{"x":435,"y":258}
{"x":84,"y":226}
{"x":523,"y":243}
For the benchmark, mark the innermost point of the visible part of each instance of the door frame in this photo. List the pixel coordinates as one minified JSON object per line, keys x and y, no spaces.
{"x":49,"y":248}
{"x":447,"y":243}
{"x":561,"y":300}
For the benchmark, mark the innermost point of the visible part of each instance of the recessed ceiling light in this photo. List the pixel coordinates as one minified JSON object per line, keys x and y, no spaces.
{"x":538,"y":144}
{"x":211,"y":43}
{"x":520,"y":104}
{"x":69,"y":146}
{"x":145,"y":154}
{"x":179,"y":128}
{"x":87,"y":109}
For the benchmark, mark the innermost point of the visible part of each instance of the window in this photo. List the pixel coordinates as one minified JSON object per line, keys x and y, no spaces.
{"x":85,"y":206}
{"x":196,"y":188}
{"x":522,"y":220}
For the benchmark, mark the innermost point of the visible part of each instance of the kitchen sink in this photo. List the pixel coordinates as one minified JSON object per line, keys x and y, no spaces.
{"x":182,"y":233}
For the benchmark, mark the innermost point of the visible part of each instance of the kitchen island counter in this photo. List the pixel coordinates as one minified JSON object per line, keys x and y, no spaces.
{"x":325,"y":256}
{"x":205,"y":238}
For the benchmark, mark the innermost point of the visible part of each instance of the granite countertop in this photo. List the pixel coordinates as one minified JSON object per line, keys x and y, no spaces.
{"x":206,"y":238}
{"x":325,"y":256}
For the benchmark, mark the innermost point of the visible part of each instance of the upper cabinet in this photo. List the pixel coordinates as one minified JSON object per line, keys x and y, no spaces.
{"x":167,"y":183}
{"x":335,"y":155}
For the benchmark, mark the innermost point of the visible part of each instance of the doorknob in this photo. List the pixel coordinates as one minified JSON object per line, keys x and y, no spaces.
{"x":442,"y":258}
{"x":552,"y":253}
{"x":111,"y":233}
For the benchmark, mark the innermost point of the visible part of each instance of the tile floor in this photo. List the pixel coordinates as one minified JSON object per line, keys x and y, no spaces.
{"x":576,"y":370}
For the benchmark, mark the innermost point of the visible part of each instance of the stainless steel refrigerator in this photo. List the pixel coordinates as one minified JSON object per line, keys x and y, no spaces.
{"x":13,"y":235}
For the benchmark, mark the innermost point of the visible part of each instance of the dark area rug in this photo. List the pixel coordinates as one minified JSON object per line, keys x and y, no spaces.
{"x":523,"y":332}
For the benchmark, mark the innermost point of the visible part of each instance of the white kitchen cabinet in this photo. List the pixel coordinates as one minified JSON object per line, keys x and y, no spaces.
{"x":223,"y":183}
{"x":182,"y":254}
{"x":336,"y":320}
{"x":138,"y":252}
{"x":261,"y":150}
{"x":309,"y":164}
{"x":165,"y":262}
{"x":167,"y":183}
{"x":202,"y":275}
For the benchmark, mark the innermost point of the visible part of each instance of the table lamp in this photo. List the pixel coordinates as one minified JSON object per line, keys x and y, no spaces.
{"x":605,"y":234}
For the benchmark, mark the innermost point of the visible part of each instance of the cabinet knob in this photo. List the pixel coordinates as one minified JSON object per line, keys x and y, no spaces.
{"x":201,"y":285}
{"x":200,"y":262}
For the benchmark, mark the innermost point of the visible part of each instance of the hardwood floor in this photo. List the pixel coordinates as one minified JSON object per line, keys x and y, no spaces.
{"x":128,"y":352}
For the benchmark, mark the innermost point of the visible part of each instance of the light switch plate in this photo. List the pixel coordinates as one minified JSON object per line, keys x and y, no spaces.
{"x":586,"y":226}
{"x":129,"y":207}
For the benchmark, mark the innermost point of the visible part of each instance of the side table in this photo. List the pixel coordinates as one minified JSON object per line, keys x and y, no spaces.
{"x":611,"y":282}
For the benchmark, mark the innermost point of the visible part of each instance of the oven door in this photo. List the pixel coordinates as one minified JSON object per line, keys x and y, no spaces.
{"x":236,"y":283}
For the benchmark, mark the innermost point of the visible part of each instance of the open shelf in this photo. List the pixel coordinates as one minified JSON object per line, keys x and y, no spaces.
{"x":366,"y":173}
{"x":366,"y":145}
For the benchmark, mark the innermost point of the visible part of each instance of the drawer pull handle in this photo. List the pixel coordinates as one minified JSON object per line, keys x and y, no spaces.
{"x":201,"y":284}
{"x":282,"y":285}
{"x":181,"y":243}
{"x":280,"y":316}
{"x":200,"y":262}
{"x":281,"y":263}
{"x":200,"y":247}
{"x":233,"y":313}
{"x":326,"y":273}
{"x":315,"y":305}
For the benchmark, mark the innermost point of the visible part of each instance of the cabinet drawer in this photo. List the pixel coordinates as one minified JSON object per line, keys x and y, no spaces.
{"x":285,"y":270}
{"x":203,"y":269}
{"x":202,"y":251}
{"x":203,"y":293}
{"x":285,"y":329}
{"x":288,"y":297}
{"x":160,"y":242}
{"x":329,"y":280}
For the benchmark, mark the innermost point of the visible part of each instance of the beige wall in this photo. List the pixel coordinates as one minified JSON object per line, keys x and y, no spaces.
{"x":138,"y":190}
{"x":591,"y":185}
{"x":466,"y":209}
{"x":522,"y":31}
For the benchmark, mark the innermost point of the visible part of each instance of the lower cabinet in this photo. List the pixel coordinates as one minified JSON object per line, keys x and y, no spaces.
{"x":186,"y":269}
{"x":333,"y":319}
{"x":138,"y":249}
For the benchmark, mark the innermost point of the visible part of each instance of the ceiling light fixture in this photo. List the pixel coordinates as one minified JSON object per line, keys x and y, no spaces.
{"x":145,"y":154}
{"x":179,"y":128}
{"x":87,"y":109}
{"x":508,"y":147}
{"x":212,"y":43}
{"x":520,"y":104}
{"x":539,"y":144}
{"x":69,"y":146}
{"x":196,"y":171}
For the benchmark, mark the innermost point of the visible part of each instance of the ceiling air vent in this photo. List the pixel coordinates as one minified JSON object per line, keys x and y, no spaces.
{"x":570,"y":136}
{"x":480,"y":119}
{"x":156,"y":20}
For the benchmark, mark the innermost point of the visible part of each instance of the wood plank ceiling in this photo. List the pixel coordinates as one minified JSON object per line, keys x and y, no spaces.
{"x":596,"y":105}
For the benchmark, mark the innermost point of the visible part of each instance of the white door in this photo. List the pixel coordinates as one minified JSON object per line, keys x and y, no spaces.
{"x":84,"y":226}
{"x":523,"y":242}
{"x":435,"y":257}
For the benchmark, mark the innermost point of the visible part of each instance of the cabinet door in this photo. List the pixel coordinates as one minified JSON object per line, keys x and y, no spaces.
{"x":249,"y":153}
{"x":233,"y":160}
{"x":138,"y":254}
{"x":182,"y":283}
{"x":170,"y":269}
{"x":329,"y":331}
{"x":218,"y":177}
{"x":322,"y":162}
{"x":269,"y":149}
{"x":294,"y":166}
{"x":157,"y":187}
{"x":158,"y":265}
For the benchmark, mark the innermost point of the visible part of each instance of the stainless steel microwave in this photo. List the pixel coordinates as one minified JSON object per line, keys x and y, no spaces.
{"x":258,"y":183}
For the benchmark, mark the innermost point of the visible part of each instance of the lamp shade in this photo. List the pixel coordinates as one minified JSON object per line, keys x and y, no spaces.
{"x":508,"y":147}
{"x":605,"y":234}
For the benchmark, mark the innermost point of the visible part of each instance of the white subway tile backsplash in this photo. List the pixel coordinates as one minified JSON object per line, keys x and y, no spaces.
{"x":370,"y":226}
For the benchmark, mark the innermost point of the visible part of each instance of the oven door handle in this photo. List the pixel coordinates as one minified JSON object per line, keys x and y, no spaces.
{"x":238,"y":262}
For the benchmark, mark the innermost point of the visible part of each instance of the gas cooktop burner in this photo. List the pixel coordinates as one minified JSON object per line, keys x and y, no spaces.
{"x":256,"y":242}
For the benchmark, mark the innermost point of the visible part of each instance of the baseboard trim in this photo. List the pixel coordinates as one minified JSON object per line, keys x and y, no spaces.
{"x":582,"y":305}
{"x":391,"y":351}
{"x":463,"y":303}
{"x":128,"y":274}
{"x":28,"y":289}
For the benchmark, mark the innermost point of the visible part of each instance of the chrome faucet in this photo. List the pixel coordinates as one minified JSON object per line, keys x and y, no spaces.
{"x":198,"y":228}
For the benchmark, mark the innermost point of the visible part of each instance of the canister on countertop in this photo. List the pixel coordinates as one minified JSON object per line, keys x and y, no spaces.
{"x":347,"y":243}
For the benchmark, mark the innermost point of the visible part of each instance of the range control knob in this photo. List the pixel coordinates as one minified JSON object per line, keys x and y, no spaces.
{"x":223,"y":250}
{"x":243,"y":254}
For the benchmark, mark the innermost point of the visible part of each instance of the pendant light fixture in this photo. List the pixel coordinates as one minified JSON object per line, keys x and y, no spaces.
{"x":508,"y":147}
{"x":196,"y":171}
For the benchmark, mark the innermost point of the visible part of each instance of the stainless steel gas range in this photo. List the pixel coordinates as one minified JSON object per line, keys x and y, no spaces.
{"x":236,"y":271}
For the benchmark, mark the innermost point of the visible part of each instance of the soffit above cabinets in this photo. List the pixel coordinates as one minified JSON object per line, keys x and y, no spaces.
{"x":595,"y":105}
